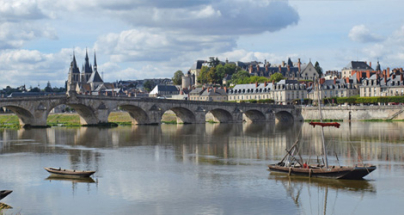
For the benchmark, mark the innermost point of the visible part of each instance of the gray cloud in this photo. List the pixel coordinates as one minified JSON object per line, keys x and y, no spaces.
{"x":17,"y":10}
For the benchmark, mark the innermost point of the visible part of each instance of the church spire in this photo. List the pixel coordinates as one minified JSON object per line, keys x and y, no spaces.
{"x":95,"y":62}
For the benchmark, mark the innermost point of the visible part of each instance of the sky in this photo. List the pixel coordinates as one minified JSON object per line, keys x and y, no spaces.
{"x":139,"y":39}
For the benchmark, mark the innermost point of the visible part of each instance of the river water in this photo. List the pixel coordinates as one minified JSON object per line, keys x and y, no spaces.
{"x":199,"y":169}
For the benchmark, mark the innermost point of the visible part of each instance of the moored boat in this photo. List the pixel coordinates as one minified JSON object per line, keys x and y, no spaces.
{"x":4,"y":193}
{"x":295,"y":166}
{"x":68,"y":172}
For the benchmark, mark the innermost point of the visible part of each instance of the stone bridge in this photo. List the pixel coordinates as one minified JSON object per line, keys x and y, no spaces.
{"x":94,"y":110}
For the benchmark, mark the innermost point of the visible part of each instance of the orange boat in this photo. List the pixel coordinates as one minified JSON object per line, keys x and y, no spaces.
{"x":323,"y":124}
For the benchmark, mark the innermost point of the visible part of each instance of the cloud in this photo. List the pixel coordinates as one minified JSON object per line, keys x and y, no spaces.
{"x":15,"y":35}
{"x":362,"y":34}
{"x":154,"y":45}
{"x":17,"y":10}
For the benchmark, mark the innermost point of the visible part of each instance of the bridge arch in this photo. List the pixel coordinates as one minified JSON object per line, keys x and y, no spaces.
{"x":139,"y":116}
{"x":284,"y":117}
{"x":25,"y":117}
{"x":221,"y":115}
{"x":87,"y":114}
{"x":184,"y":115}
{"x":254,"y":116}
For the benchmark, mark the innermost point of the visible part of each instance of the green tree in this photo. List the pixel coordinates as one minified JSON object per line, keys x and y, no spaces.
{"x":230,"y":69}
{"x":148,"y":85}
{"x":48,"y":87}
{"x":213,"y":62}
{"x":212,"y":75}
{"x":177,"y":79}
{"x":276,"y":77}
{"x":318,"y":69}
{"x":203,"y":75}
{"x":239,"y":76}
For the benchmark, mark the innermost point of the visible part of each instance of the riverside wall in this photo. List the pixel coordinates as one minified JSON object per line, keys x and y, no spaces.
{"x":355,"y":113}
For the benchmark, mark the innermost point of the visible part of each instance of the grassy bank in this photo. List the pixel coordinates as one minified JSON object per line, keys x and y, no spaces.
{"x":73,"y":119}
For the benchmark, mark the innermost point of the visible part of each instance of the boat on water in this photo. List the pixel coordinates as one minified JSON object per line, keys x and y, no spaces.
{"x":4,"y":193}
{"x":295,"y":166}
{"x":68,"y":172}
{"x":325,"y":124}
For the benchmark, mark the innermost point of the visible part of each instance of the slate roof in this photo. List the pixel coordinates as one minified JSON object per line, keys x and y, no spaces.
{"x":166,"y":88}
{"x":73,"y":66}
{"x":358,"y":65}
{"x":211,"y":92}
{"x":197,"y":64}
{"x":250,"y":88}
{"x":95,"y":77}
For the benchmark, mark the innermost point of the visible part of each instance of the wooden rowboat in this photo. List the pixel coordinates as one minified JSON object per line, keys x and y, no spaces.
{"x":4,"y":193}
{"x":324,"y":124}
{"x":68,"y":172}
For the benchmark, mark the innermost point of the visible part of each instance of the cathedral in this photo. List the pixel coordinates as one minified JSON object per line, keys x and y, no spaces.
{"x":88,"y":80}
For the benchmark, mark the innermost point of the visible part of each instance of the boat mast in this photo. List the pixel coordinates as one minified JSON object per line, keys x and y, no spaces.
{"x":322,"y":128}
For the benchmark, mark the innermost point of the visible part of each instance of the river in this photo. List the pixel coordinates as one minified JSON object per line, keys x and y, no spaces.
{"x":199,"y":169}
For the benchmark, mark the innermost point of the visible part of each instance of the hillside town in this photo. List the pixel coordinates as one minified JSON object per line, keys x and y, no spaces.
{"x":295,"y":82}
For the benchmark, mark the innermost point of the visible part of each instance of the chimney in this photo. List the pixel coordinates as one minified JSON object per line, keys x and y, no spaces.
{"x":388,"y":72}
{"x":288,"y":68}
{"x":370,"y":64}
{"x":283,"y":63}
{"x":266,"y":67}
{"x":251,"y":68}
{"x":335,"y":80}
{"x":367,"y":74}
{"x":393,"y":76}
{"x":265,"y":84}
{"x":347,"y":80}
{"x":273,"y":83}
{"x":214,"y":89}
{"x":401,"y":77}
{"x":256,"y":84}
{"x":225,"y":89}
{"x":299,"y":65}
{"x":322,"y":80}
{"x":280,"y":69}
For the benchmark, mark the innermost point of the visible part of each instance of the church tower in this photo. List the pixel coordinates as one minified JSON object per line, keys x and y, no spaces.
{"x":74,"y":75}
{"x":86,"y":70}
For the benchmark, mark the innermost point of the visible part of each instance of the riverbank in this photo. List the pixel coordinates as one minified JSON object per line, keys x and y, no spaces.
{"x":73,"y":119}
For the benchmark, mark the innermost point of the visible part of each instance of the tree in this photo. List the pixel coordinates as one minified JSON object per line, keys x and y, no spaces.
{"x":213,"y":62}
{"x":148,"y":85}
{"x":35,"y":89}
{"x":239,"y":76}
{"x":276,"y":77}
{"x":203,"y":75}
{"x":318,"y":69}
{"x":48,"y":87}
{"x":177,"y":79}
{"x":212,"y":76}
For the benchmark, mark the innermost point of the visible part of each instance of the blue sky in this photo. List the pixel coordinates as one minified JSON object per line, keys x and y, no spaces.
{"x":138,"y":39}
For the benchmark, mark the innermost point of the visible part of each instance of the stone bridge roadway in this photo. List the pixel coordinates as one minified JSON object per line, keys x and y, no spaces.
{"x":94,"y":110}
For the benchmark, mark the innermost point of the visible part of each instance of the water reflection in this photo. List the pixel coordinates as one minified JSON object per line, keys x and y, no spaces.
{"x":72,"y":180}
{"x":321,"y":196}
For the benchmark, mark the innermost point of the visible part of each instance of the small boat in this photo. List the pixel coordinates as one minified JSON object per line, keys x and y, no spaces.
{"x":324,"y":124}
{"x":4,"y":193}
{"x":68,"y":172}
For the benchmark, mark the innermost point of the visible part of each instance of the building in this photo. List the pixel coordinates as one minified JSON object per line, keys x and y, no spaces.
{"x":256,"y":91}
{"x":164,"y":91}
{"x":85,"y":82}
{"x":208,"y":94}
{"x":383,"y":84}
{"x":355,"y":66}
{"x":333,"y":88}
{"x":287,"y":91}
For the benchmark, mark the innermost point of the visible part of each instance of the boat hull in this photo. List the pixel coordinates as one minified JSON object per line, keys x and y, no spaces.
{"x":65,"y":173}
{"x":339,"y":172}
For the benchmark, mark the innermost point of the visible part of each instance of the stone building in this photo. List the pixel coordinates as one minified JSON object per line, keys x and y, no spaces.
{"x":208,"y":94}
{"x":355,"y":66}
{"x":85,"y":82}
{"x":286,"y":91}
{"x":383,"y":84}
{"x":333,"y":88}
{"x":256,"y":91}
